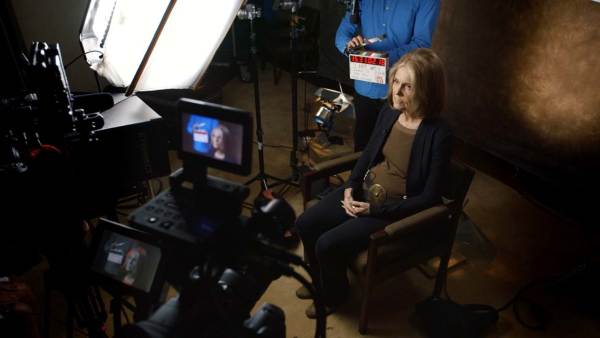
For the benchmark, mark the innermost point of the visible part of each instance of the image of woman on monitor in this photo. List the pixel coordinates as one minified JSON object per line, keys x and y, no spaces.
{"x":213,"y":138}
{"x":219,"y":140}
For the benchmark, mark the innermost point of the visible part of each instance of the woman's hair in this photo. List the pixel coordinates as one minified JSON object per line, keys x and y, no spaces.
{"x":225,"y":135}
{"x":430,"y":81}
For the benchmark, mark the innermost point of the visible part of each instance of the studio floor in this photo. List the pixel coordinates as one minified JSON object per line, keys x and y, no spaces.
{"x":507,"y":239}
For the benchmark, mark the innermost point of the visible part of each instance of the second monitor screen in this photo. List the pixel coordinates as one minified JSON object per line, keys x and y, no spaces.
{"x":211,"y":137}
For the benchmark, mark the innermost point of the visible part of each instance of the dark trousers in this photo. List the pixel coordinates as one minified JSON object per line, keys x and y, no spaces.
{"x":366,"y":112}
{"x":331,"y":240}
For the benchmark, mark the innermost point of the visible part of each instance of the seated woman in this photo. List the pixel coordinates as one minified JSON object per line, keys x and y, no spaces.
{"x":399,"y":173}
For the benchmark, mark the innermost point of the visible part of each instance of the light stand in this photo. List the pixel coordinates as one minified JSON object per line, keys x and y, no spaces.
{"x":293,"y":6}
{"x":294,"y":78}
{"x":250,"y":12}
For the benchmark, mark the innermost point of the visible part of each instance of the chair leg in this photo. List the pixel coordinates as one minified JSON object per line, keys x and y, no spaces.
{"x":364,"y":309}
{"x":369,"y":281}
{"x":440,"y":279}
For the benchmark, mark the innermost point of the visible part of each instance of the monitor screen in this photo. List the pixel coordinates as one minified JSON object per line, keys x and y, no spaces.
{"x":126,"y":259}
{"x":215,"y":136}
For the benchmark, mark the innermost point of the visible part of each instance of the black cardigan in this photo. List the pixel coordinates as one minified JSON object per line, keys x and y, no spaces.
{"x":429,"y":159}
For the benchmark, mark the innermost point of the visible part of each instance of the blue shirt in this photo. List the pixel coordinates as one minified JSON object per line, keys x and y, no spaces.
{"x":407,"y":24}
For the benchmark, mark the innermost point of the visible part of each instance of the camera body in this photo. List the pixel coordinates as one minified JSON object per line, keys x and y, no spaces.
{"x":218,"y":266}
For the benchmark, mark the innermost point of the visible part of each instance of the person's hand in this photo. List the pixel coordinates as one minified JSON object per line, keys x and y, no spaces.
{"x":355,"y":42}
{"x":347,"y":202}
{"x":361,"y":208}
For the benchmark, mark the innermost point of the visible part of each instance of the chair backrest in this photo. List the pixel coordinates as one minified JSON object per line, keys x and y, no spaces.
{"x":457,"y":184}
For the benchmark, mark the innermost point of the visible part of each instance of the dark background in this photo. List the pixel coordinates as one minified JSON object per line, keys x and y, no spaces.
{"x":523,"y":91}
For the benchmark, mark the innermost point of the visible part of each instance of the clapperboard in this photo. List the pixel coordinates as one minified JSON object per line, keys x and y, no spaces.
{"x":370,"y":66}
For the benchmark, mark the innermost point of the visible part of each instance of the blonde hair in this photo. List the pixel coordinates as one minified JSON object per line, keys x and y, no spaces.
{"x":430,"y":81}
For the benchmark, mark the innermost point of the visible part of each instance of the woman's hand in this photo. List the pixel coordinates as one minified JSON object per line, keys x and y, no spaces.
{"x":347,"y":202}
{"x":354,"y":208}
{"x":361,"y":208}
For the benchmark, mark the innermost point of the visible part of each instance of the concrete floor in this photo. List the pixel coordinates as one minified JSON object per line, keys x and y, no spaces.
{"x":518,"y":241}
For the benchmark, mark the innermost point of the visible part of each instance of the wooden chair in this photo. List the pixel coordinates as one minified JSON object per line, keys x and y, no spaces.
{"x":408,"y":242}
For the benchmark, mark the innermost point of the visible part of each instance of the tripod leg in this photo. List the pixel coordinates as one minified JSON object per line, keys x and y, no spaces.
{"x":261,"y":176}
{"x":294,"y":79}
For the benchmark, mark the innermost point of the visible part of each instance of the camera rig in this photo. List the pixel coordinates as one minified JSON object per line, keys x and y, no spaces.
{"x":46,"y":114}
{"x":220,"y":261}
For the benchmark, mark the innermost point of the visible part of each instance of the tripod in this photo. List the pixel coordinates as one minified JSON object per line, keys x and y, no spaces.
{"x":251,"y":13}
{"x":295,"y":29}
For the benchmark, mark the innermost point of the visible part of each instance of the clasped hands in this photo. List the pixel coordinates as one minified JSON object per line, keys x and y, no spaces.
{"x":354,"y":208}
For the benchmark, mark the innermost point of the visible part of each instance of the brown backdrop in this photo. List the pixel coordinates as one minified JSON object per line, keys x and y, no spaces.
{"x":524,"y":82}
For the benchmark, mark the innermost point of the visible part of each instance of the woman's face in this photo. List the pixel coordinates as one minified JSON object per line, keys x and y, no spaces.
{"x":216,"y":138}
{"x":403,"y":89}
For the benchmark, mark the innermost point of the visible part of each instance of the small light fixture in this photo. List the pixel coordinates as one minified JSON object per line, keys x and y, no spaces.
{"x":331,"y":103}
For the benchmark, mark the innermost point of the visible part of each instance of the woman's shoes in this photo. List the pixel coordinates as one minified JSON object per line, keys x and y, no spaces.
{"x":311,"y":311}
{"x":303,"y":293}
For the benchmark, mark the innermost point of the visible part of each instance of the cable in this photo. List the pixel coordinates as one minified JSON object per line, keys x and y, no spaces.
{"x":122,"y":309}
{"x":284,"y":189}
{"x":518,"y":298}
{"x":286,"y":257}
{"x":82,"y":54}
{"x":321,"y":322}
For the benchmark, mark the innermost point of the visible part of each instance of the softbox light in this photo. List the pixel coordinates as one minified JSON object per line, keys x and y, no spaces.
{"x":154,"y":44}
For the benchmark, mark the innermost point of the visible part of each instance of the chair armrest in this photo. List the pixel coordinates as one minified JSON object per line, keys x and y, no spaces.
{"x":334,"y":166}
{"x":420,"y":220}
{"x":324,"y":170}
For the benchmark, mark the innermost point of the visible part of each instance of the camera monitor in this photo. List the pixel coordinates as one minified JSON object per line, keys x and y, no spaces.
{"x":216,"y":136}
{"x":127,"y":257}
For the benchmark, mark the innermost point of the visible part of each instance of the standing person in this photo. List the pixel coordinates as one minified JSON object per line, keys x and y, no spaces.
{"x":405,"y":160}
{"x":407,"y":25}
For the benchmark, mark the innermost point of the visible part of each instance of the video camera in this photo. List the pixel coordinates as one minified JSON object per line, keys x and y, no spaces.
{"x":46,"y":114}
{"x":194,"y":237}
